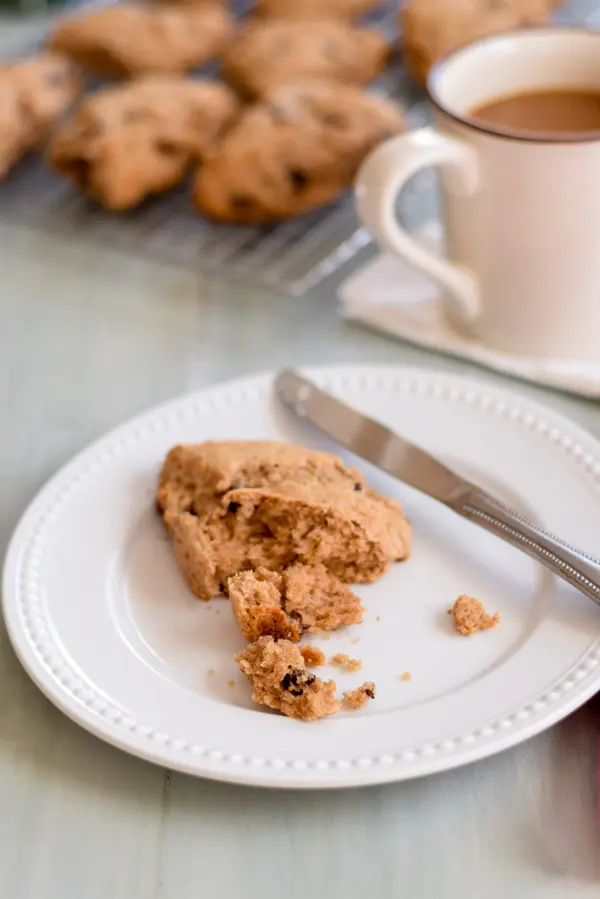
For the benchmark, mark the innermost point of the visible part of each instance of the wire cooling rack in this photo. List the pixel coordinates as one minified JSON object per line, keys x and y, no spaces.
{"x":293,"y":257}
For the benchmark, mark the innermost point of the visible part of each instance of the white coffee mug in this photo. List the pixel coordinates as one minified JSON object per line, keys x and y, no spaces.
{"x":521,"y":213}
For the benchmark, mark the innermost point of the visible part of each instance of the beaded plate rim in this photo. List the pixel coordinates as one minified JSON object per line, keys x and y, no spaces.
{"x":30,"y":630}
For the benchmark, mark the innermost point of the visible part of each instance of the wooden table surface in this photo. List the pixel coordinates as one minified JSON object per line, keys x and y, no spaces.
{"x":90,"y":337}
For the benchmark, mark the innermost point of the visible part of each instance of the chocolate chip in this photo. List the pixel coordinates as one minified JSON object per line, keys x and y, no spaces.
{"x":80,"y":170}
{"x":167,"y":148}
{"x":233,"y":507}
{"x":299,"y":179}
{"x":334,"y":120}
{"x":241,"y":202}
{"x":222,"y":588}
{"x":358,"y":487}
{"x":296,"y":680}
{"x":370,"y":692}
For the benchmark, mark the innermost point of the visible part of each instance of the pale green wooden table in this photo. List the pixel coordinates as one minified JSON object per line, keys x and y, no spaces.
{"x":88,"y":339}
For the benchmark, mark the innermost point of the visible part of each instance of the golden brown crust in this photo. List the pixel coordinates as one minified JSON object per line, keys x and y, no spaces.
{"x":296,"y":151}
{"x":34,"y":94}
{"x":233,"y":506}
{"x":298,"y":9}
{"x":274,"y":52}
{"x":125,"y":40}
{"x":432,"y":28}
{"x":139,"y":139}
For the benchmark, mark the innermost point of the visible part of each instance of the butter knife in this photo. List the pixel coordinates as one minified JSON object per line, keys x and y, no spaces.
{"x":382,"y":447}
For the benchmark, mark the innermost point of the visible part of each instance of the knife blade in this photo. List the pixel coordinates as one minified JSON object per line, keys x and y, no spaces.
{"x":368,"y":438}
{"x":389,"y":451}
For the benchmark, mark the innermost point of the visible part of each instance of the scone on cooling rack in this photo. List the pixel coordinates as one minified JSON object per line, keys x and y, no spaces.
{"x":128,"y":40}
{"x":275,"y":52}
{"x":297,"y":150}
{"x":432,"y":28}
{"x":34,"y":94}
{"x":138,"y":139}
{"x":298,"y":9}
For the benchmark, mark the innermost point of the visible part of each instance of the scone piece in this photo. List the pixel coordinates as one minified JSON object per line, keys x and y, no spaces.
{"x":281,"y":680}
{"x":299,"y":9}
{"x":233,"y":506}
{"x":125,"y":40}
{"x":34,"y":94}
{"x":357,"y":699}
{"x":470,"y":616}
{"x":297,"y":150}
{"x":129,"y":142}
{"x":432,"y":28}
{"x":275,"y":52}
{"x":303,"y":599}
{"x":257,"y":606}
{"x":313,"y":656}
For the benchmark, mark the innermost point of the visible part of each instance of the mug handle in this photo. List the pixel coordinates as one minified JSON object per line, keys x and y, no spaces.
{"x":379,"y":182}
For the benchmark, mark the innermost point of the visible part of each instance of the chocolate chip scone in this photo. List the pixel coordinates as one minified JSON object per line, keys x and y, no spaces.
{"x":125,"y":40}
{"x":298,"y":9}
{"x":297,"y":150}
{"x":281,"y":680}
{"x":34,"y":94}
{"x":273,"y":52}
{"x":138,"y":139}
{"x":302,"y":599}
{"x":432,"y":28}
{"x":246,"y":505}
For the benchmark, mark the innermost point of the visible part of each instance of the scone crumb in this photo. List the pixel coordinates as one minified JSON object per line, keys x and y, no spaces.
{"x":281,"y":680}
{"x":211,"y":672}
{"x":355,"y":640}
{"x":378,"y":618}
{"x":324,"y":636}
{"x":344,"y":661}
{"x":470,"y":616}
{"x":354,"y":700}
{"x":313,"y":657}
{"x":406,"y":675}
{"x":231,"y":683}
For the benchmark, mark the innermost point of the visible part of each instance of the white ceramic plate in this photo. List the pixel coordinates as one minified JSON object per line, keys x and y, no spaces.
{"x":101,"y":619}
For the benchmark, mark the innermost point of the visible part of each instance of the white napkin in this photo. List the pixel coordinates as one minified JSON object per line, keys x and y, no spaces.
{"x":391,"y":296}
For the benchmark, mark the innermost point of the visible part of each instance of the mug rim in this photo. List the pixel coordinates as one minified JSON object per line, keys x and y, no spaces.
{"x":494,"y":131}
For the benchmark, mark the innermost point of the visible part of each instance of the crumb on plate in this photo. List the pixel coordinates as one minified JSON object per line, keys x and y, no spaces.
{"x":341,"y":660}
{"x":313,"y":657}
{"x":406,"y":675}
{"x":470,"y":616}
{"x":354,"y":700}
{"x":231,"y":683}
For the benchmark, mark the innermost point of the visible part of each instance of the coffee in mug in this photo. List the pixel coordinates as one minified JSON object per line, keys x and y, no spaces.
{"x":516,"y":140}
{"x":549,"y":112}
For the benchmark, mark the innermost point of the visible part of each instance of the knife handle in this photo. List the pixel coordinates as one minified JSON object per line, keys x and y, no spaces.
{"x":574,"y":566}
